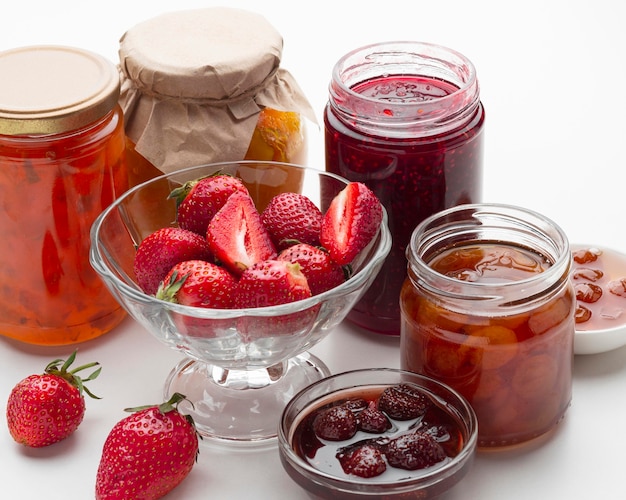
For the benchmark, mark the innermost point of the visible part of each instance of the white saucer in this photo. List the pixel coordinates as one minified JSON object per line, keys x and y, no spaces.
{"x":614,"y":335}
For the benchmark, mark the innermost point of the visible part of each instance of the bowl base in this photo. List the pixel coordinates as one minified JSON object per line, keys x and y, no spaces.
{"x":241,"y":408}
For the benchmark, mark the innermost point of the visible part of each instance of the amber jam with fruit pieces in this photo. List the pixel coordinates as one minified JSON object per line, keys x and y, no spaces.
{"x":599,"y":277}
{"x":227,"y":96}
{"x":61,"y":164}
{"x":493,"y":318}
{"x":379,"y":433}
{"x":411,"y":128}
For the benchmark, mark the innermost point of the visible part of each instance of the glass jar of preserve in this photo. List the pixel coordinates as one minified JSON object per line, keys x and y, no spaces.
{"x":406,"y":119}
{"x":204,"y":86}
{"x":488,"y":308}
{"x":62,"y":161}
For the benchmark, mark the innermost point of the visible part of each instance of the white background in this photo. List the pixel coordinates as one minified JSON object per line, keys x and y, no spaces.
{"x":552,"y":79}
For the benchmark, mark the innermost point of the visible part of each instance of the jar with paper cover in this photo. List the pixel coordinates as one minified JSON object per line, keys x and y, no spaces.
{"x":205,"y":86}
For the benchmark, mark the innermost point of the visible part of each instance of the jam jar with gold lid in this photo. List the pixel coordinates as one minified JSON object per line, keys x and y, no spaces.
{"x":62,"y":161}
{"x":488,"y":309}
{"x":204,"y":86}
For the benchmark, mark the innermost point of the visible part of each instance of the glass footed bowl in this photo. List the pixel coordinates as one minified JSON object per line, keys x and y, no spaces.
{"x":241,"y":366}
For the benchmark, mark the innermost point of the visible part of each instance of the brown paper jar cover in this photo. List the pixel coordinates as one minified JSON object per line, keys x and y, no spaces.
{"x":195,"y":81}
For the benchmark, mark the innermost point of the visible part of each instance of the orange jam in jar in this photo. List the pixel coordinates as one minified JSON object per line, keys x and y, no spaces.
{"x":61,"y":163}
{"x":488,"y":309}
{"x":205,"y":86}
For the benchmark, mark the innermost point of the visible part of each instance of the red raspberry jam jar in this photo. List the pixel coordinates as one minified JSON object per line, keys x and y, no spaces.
{"x":406,"y":119}
{"x":62,"y":151}
{"x":488,"y":309}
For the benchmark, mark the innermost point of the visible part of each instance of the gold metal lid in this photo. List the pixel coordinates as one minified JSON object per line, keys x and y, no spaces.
{"x":54,"y":89}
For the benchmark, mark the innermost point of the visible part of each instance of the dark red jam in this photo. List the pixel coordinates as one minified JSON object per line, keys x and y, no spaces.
{"x":414,"y":176}
{"x":379,"y":433}
{"x":599,"y":278}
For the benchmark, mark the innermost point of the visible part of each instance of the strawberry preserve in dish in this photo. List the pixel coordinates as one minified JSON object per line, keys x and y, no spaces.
{"x":406,"y":119}
{"x":488,"y":309}
{"x":62,"y":162}
{"x":377,"y":433}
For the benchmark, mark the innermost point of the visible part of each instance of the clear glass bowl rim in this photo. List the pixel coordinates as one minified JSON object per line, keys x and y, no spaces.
{"x":137,"y":295}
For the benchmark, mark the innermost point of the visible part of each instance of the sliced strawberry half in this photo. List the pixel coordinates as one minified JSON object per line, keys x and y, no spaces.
{"x":236,"y":235}
{"x":351,"y":221}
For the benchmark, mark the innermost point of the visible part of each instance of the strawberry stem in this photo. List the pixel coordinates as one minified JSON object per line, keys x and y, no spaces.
{"x":165,"y":407}
{"x":71,"y":376}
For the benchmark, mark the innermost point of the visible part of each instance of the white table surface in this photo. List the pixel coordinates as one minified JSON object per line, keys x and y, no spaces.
{"x":552,"y":81}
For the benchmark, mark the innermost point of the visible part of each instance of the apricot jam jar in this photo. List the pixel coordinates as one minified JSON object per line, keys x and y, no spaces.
{"x":406,"y":119}
{"x":206,"y":85}
{"x":62,"y":151}
{"x":488,"y":309}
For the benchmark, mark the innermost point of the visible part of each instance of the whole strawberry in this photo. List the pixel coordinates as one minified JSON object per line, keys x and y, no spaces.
{"x":147,"y":454}
{"x":162,"y":250}
{"x":321,"y":272}
{"x":270,"y":283}
{"x":292,"y":217}
{"x":44,"y":409}
{"x":200,"y":199}
{"x":198,"y":283}
{"x":351,"y":222}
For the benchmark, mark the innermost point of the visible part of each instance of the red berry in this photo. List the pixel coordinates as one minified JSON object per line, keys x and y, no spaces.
{"x":270,"y":283}
{"x":198,"y":283}
{"x":356,"y":404}
{"x":147,"y":454}
{"x":416,"y":450}
{"x":162,"y":250}
{"x":236,"y":235}
{"x":363,"y":461}
{"x":372,"y":420}
{"x":199,"y":200}
{"x":351,"y":222}
{"x":321,"y":272}
{"x":292,"y":217}
{"x":47,"y":408}
{"x":403,"y":402}
{"x":336,"y":423}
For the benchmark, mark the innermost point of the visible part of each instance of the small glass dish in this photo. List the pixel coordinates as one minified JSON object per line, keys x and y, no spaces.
{"x":393,"y":484}
{"x":241,"y":366}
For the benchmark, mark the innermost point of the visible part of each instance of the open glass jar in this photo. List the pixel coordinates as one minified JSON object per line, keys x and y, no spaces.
{"x":406,"y":119}
{"x":62,"y":161}
{"x":206,"y":86}
{"x":488,"y":309}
